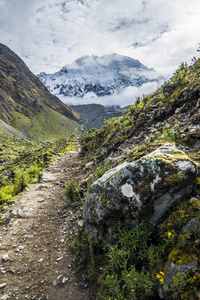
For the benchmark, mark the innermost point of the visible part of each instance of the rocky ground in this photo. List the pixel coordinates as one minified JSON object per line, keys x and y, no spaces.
{"x":34,"y":262}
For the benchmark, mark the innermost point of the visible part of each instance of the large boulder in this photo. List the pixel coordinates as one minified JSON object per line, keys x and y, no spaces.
{"x":143,"y":189}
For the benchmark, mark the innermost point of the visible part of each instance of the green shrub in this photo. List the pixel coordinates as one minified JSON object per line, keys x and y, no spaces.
{"x":89,"y":254}
{"x":127,"y":268}
{"x":20,"y":182}
{"x":72,"y":191}
{"x":33,"y":172}
{"x":102,"y":169}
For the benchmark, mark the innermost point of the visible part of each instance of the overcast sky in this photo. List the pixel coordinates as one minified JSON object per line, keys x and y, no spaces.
{"x":47,"y":34}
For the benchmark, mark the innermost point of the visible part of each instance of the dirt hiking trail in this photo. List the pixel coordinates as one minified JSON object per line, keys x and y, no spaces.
{"x":34,"y":262}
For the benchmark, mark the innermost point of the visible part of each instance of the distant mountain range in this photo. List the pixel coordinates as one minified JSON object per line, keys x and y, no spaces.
{"x":94,"y":115}
{"x":94,"y":76}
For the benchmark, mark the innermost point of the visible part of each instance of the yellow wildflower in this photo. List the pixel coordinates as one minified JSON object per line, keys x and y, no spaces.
{"x":161,"y":273}
{"x":170,"y":234}
{"x":160,"y":276}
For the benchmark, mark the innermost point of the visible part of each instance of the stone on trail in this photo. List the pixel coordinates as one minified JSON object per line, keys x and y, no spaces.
{"x":46,"y":177}
{"x":5,"y":257}
{"x":2,"y":285}
{"x":19,"y":213}
{"x":5,"y":297}
{"x":143,"y":189}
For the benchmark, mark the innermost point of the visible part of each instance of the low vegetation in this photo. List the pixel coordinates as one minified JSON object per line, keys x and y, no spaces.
{"x":47,"y":125}
{"x":131,"y":265}
{"x":21,"y":162}
{"x":179,"y":95}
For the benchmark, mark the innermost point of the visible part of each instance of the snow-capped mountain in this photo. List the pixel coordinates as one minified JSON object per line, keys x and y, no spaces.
{"x":94,"y":76}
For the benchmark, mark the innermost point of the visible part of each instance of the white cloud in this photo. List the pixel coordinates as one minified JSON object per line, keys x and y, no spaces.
{"x":126,"y":98}
{"x":49,"y":34}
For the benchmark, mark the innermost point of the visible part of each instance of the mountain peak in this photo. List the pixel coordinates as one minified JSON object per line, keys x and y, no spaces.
{"x":95,"y":76}
{"x":112,"y":60}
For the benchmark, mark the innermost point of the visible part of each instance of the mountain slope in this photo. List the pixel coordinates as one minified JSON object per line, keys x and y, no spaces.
{"x":94,"y":115}
{"x":22,"y":92}
{"x":93,"y":76}
{"x":145,"y":261}
{"x":176,"y":101}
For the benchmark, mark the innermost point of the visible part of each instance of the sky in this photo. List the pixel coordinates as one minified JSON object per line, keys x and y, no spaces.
{"x":48,"y":34}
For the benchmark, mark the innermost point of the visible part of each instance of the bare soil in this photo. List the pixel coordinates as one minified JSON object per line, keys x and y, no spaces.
{"x":34,"y":261}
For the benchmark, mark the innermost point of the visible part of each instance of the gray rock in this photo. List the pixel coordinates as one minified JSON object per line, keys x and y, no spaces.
{"x":2,"y":285}
{"x":159,"y":124}
{"x":5,"y":297}
{"x":5,"y":257}
{"x":88,"y":165}
{"x":146,"y":188}
{"x":195,"y":131}
{"x":18,"y":213}
{"x":183,"y":148}
{"x":170,"y":270}
{"x":192,"y":226}
{"x":197,"y":145}
{"x":45,"y":177}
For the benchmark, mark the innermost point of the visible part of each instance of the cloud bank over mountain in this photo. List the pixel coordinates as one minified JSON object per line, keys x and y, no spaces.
{"x":127,"y":97}
{"x":48,"y":34}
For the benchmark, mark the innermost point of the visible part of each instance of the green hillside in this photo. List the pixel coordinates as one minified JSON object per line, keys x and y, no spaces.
{"x":133,"y":265}
{"x":176,"y":100}
{"x":47,"y":125}
{"x":27,"y":105}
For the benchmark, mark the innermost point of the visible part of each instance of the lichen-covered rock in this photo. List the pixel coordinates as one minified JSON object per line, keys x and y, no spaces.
{"x":145,"y":188}
{"x":170,"y":271}
{"x":191,"y":226}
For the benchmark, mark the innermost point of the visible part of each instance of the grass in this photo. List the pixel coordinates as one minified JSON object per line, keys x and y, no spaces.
{"x":179,"y":92}
{"x":21,"y":161}
{"x":47,"y":125}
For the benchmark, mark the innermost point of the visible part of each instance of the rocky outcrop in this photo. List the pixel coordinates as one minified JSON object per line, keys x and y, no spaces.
{"x":143,"y":189}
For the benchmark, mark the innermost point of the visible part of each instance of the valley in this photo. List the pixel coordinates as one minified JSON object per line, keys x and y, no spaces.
{"x":97,"y":207}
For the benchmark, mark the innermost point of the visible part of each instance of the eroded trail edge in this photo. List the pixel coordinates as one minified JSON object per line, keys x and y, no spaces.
{"x":34,"y":262}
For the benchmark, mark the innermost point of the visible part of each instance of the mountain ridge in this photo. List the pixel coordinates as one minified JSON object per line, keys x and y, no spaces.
{"x":94,"y":115}
{"x":94,"y":76}
{"x":23,"y":93}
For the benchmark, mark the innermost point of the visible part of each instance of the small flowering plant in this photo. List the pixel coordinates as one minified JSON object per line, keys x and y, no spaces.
{"x":170,"y":234}
{"x":160,"y":276}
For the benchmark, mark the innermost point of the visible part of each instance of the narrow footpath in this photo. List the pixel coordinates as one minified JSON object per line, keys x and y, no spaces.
{"x":34,"y":262}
